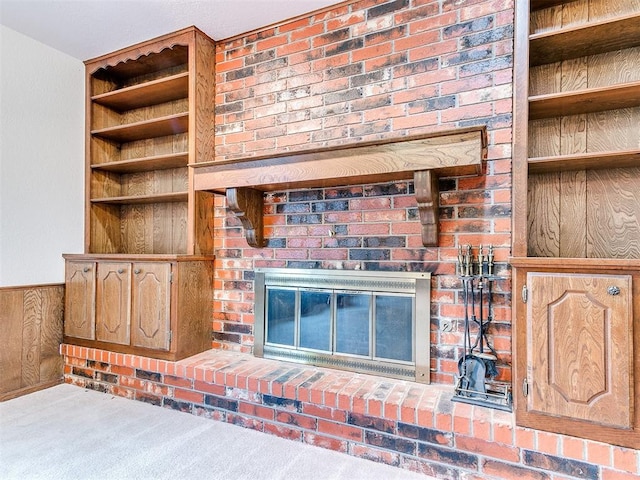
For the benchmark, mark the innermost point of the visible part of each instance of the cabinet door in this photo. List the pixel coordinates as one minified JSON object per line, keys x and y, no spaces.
{"x":151,"y":305}
{"x":579,"y":347}
{"x":80,"y":281}
{"x":113,"y":301}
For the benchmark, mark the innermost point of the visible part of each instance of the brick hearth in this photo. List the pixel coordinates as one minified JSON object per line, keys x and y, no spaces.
{"x":400,"y":423}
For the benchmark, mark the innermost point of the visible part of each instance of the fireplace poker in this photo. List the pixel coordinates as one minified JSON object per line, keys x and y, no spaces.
{"x":489,"y":359}
{"x":470,"y":367}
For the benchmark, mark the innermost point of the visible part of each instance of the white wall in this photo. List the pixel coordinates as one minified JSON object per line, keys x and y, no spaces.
{"x":41,"y":160}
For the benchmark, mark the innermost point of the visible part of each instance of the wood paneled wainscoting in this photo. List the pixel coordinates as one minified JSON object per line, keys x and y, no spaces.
{"x":31,"y":320}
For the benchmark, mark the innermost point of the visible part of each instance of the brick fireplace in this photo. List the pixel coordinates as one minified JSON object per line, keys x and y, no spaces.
{"x":355,"y":73}
{"x":363,"y":71}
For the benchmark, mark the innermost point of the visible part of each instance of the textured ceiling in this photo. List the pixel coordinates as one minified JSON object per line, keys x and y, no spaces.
{"x":89,"y":28}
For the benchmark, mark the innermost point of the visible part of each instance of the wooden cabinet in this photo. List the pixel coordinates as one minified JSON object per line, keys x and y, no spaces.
{"x":159,"y":307}
{"x":145,"y":283}
{"x":575,"y":331}
{"x":149,"y":115}
{"x":576,"y":217}
{"x":578,"y":334}
{"x":80,"y":299}
{"x":113,"y":302}
{"x":151,"y":305}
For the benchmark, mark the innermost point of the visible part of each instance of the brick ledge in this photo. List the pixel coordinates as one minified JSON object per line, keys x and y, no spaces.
{"x":402,"y":423}
{"x":393,"y":399}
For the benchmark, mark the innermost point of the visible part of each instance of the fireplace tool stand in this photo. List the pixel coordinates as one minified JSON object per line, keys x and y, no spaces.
{"x":476,"y":382}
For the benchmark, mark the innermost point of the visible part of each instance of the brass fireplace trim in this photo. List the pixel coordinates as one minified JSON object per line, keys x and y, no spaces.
{"x":417,"y":283}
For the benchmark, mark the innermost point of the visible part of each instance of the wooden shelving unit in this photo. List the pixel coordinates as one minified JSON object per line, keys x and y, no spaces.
{"x":616,"y":159}
{"x":142,"y":103}
{"x":542,"y":4}
{"x":145,"y":129}
{"x":585,"y":110}
{"x":163,"y":90}
{"x":144,"y":199}
{"x":576,"y":218}
{"x":145,"y":282}
{"x":582,"y":40}
{"x":586,"y":100}
{"x":155,"y":162}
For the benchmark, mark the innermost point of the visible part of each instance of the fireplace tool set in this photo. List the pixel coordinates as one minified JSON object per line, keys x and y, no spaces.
{"x":476,"y":382}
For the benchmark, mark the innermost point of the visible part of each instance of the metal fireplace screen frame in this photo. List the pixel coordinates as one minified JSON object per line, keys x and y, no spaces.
{"x":340,"y":285}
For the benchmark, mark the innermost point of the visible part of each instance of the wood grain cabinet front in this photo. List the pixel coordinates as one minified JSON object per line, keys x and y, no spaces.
{"x":158,"y":308}
{"x":113,"y":298}
{"x":80,"y":298}
{"x":151,"y":305}
{"x":576,"y":360}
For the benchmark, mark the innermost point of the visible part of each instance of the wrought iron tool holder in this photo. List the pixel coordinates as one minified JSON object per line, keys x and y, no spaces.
{"x":476,"y":382}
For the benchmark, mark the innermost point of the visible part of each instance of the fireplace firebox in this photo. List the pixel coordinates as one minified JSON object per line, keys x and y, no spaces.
{"x":368,"y":322}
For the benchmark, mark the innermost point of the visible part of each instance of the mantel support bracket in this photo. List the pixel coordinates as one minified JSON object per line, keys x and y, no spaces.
{"x":423,"y":158}
{"x":427,"y":196}
{"x":247,"y":204}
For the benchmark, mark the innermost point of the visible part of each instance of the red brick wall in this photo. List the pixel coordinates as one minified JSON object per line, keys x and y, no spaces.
{"x":363,"y":71}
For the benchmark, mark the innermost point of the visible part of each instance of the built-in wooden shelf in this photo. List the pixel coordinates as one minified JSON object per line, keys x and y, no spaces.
{"x":171,"y":197}
{"x":575,"y":218}
{"x":156,"y":162}
{"x":542,"y":4}
{"x":584,"y":40}
{"x":157,"y":127}
{"x":136,"y":257}
{"x":422,"y":158}
{"x":571,"y":264}
{"x":158,"y":91}
{"x":613,"y":159}
{"x":451,"y":152}
{"x":584,"y":101}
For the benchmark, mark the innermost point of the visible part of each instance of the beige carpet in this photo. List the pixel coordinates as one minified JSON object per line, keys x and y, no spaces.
{"x":66,"y":432}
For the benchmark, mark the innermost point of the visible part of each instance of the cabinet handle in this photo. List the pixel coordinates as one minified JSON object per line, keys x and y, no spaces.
{"x":137,"y":271}
{"x":613,"y":290}
{"x":121,"y":270}
{"x":86,"y":269}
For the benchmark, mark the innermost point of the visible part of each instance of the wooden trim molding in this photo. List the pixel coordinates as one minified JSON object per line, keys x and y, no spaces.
{"x":154,"y":45}
{"x":422,"y":158}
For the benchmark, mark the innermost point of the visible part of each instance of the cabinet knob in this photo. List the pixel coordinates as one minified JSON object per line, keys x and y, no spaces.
{"x":121,"y":270}
{"x":613,"y":290}
{"x":137,"y":271}
{"x":86,"y":269}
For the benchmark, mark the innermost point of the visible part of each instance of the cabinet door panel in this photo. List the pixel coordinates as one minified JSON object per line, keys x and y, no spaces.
{"x":113,"y":302}
{"x":580,"y":347}
{"x":80,"y":300}
{"x":151,"y":305}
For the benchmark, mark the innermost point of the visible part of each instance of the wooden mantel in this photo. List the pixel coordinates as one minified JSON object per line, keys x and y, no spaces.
{"x":422,"y":158}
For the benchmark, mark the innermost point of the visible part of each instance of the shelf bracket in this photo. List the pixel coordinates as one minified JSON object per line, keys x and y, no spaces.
{"x":247,"y":204}
{"x":423,"y":158}
{"x":427,"y":196}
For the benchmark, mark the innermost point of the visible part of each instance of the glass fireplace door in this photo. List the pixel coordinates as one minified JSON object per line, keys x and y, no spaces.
{"x":315,"y":320}
{"x":353,"y":323}
{"x":361,"y":321}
